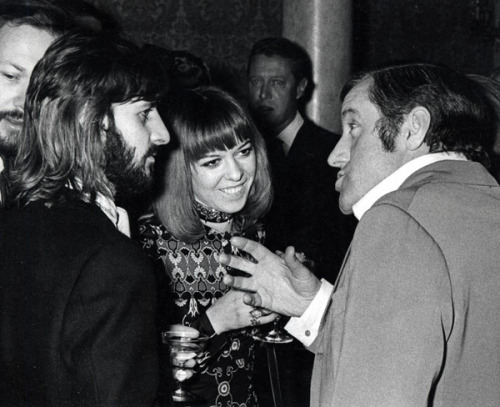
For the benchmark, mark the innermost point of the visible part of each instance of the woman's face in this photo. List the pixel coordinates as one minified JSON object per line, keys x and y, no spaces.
{"x":222,"y":178}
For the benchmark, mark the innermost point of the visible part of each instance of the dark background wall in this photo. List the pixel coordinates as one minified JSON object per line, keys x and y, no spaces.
{"x":454,"y":32}
{"x":458,"y":33}
{"x":221,"y":32}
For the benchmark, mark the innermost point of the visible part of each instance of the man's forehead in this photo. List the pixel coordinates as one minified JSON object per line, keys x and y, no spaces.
{"x":273,"y":63}
{"x":356,"y":99}
{"x":24,"y":43}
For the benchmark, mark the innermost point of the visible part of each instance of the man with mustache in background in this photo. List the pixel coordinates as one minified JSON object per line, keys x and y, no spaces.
{"x":27,"y":28}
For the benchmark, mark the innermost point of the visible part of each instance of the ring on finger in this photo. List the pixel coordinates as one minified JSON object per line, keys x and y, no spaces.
{"x":256,"y":313}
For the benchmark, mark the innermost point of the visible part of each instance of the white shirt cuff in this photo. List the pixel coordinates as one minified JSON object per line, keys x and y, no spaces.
{"x":305,"y":328}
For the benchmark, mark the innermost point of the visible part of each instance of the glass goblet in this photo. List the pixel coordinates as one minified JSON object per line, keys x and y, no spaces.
{"x":183,"y":351}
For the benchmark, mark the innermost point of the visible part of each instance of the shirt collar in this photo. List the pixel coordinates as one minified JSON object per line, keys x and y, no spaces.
{"x":117,"y":215}
{"x":396,"y":179}
{"x":287,"y":135}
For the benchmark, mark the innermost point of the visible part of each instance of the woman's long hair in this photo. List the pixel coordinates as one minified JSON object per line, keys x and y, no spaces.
{"x":204,"y":120}
{"x":70,"y":93}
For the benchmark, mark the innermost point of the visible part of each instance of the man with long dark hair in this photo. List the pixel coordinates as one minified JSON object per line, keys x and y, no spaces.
{"x":27,"y":28}
{"x":413,"y":317}
{"x":77,"y":297}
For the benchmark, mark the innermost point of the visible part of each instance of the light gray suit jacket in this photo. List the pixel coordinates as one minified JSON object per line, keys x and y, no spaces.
{"x":415,"y":316}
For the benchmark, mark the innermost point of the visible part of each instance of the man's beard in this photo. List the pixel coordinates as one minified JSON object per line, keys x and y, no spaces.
{"x":9,"y":134}
{"x":127,"y":174}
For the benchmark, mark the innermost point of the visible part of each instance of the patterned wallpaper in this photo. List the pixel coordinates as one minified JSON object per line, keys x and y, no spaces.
{"x":223,"y":31}
{"x":219,"y":31}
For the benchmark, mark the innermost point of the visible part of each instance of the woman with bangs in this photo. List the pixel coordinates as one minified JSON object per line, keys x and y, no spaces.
{"x":215,"y":184}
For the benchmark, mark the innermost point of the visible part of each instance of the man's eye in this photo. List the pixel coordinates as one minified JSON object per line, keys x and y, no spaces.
{"x":255,"y":82}
{"x":278,"y":82}
{"x":145,"y":113}
{"x":9,"y":76}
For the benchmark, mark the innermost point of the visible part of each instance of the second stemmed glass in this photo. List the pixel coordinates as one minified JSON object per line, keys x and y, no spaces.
{"x":275,"y":335}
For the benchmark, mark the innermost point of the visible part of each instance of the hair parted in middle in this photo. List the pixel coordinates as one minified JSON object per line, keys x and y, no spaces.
{"x":69,"y":96}
{"x":204,"y":120}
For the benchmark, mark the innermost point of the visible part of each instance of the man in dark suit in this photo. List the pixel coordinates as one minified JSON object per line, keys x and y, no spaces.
{"x":279,"y":84}
{"x":303,"y":213}
{"x":77,"y":297}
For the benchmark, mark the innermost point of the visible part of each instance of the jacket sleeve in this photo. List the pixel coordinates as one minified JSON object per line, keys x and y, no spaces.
{"x":385,"y":334}
{"x":111,"y":341}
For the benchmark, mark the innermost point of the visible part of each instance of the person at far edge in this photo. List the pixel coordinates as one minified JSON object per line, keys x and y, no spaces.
{"x":413,"y":317}
{"x":27,"y":28}
{"x":215,"y":184}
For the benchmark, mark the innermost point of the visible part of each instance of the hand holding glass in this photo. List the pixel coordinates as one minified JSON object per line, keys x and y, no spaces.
{"x":185,"y":345}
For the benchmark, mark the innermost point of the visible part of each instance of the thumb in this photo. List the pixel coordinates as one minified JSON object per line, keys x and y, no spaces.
{"x":293,"y":263}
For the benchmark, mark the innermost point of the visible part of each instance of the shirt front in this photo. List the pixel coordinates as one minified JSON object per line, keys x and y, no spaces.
{"x":288,"y":134}
{"x":305,"y":328}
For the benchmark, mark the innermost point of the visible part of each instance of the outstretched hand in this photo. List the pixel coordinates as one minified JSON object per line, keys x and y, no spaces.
{"x":281,"y":284}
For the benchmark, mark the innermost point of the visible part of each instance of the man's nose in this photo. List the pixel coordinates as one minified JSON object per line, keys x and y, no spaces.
{"x":340,"y":155}
{"x":265,"y":91}
{"x":160,"y":136}
{"x":159,"y":133}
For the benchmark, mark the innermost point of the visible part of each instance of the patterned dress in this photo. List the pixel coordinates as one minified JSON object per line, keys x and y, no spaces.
{"x":193,"y":283}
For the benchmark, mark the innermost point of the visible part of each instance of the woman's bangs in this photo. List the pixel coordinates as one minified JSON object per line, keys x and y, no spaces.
{"x":217,"y":138}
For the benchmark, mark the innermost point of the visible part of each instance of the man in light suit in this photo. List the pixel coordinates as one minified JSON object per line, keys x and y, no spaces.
{"x":413,"y":317}
{"x":77,"y":296}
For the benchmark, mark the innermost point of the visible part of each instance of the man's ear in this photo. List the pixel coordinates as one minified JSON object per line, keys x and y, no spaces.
{"x":301,"y":87}
{"x":105,"y":123}
{"x":416,"y":125}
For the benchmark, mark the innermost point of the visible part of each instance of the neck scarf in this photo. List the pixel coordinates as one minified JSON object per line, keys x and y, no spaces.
{"x":211,"y":215}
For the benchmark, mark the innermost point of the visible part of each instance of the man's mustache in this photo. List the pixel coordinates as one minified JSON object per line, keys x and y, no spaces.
{"x":15,"y":115}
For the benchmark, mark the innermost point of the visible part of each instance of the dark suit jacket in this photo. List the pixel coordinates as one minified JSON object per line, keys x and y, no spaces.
{"x":305,"y":211}
{"x":414,"y":319}
{"x":77,"y":310}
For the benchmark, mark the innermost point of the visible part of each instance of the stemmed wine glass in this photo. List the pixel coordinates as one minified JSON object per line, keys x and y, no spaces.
{"x":184,"y":348}
{"x":275,"y":335}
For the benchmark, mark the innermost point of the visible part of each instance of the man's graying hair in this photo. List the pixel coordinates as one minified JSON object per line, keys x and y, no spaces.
{"x":461,"y":121}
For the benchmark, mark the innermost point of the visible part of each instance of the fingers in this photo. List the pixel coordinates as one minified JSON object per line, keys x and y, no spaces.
{"x":252,"y":299}
{"x":257,"y":250}
{"x":293,"y":263}
{"x":241,"y":283}
{"x":237,"y":262}
{"x":280,"y":254}
{"x":261,"y":316}
{"x":268,"y":318}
